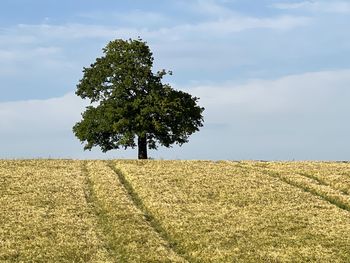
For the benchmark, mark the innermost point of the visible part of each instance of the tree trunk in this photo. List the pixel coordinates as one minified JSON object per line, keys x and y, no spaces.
{"x":142,"y":144}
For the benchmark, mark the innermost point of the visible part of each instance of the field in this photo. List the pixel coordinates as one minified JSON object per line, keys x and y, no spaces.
{"x":174,"y":211}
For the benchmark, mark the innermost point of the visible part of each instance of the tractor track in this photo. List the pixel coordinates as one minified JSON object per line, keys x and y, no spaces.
{"x":151,"y":219}
{"x":310,"y":185}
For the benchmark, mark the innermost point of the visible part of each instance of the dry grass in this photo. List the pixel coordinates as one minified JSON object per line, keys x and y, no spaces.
{"x":334,"y":174}
{"x":173,"y":211}
{"x":224,"y":212}
{"x":44,"y":214}
{"x":128,"y":232}
{"x":326,"y":183}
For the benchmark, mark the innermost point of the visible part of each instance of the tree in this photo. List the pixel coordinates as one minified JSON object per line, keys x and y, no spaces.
{"x":129,"y":103}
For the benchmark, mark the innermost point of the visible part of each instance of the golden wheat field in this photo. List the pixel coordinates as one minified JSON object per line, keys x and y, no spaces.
{"x":174,"y":211}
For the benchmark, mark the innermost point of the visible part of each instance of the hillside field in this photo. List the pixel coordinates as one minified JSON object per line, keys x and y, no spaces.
{"x":174,"y":211}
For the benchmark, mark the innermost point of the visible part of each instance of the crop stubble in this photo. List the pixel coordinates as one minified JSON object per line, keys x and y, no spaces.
{"x":170,"y":211}
{"x":44,"y":214}
{"x":223,"y":212}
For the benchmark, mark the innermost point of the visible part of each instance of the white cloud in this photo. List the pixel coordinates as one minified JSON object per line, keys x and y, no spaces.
{"x":310,"y":93}
{"x":49,"y":46}
{"x":36,"y":33}
{"x":73,"y":31}
{"x":40,"y":116}
{"x":222,"y":19}
{"x":294,"y":117}
{"x":291,"y":5}
{"x":27,"y":61}
{"x":317,"y":6}
{"x":15,"y":54}
{"x":305,"y":93}
{"x":40,"y":128}
{"x":132,"y":17}
{"x":240,"y":23}
{"x":43,"y":129}
{"x":209,"y":8}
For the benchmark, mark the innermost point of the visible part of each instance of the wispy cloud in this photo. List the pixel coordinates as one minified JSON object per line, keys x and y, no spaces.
{"x":222,"y":26}
{"x":16,"y":61}
{"x":240,"y":23}
{"x":268,"y":119}
{"x":73,"y":31}
{"x":208,"y":8}
{"x":298,"y":116}
{"x":131,"y":18}
{"x":40,"y":116}
{"x":43,"y":128}
{"x":262,"y":119}
{"x":35,"y":52}
{"x":292,"y":5}
{"x":309,"y":93}
{"x":24,"y":42}
{"x":317,"y":6}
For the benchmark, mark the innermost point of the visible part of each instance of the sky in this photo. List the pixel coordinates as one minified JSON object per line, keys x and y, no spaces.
{"x":273,"y":76}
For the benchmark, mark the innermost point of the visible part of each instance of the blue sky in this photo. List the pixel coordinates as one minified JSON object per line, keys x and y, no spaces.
{"x":273,"y":75}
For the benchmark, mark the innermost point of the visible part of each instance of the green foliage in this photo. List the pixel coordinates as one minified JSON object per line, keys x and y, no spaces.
{"x":129,"y":101}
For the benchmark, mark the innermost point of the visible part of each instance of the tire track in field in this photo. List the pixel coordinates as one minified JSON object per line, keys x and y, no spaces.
{"x":100,"y":214}
{"x":310,"y":185}
{"x":321,"y":181}
{"x":127,"y":234}
{"x":151,"y":219}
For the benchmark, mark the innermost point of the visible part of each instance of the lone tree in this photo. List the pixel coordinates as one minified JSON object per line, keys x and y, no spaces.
{"x":129,"y":103}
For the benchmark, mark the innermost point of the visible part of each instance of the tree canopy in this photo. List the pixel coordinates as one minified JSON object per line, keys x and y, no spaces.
{"x":129,"y":105}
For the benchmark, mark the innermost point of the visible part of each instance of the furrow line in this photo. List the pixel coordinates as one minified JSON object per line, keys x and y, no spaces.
{"x":320,"y":181}
{"x":100,"y":213}
{"x":151,"y":219}
{"x":325,"y":192}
